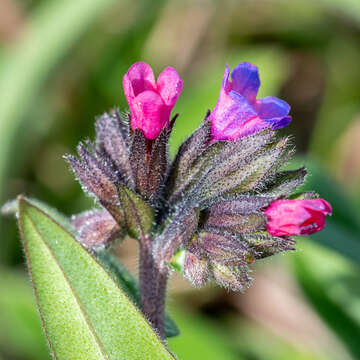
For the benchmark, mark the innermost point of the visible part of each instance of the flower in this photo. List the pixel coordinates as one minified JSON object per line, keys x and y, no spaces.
{"x":151,"y":102}
{"x":206,"y":213}
{"x":238,"y":113}
{"x":296,"y":217}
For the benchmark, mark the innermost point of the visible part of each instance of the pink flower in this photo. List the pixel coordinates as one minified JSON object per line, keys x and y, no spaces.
{"x":151,"y":102}
{"x":296,"y":217}
{"x":238,"y":113}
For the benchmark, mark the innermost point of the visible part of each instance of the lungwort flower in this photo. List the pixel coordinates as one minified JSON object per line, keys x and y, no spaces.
{"x":238,"y":113}
{"x":151,"y":102}
{"x":296,"y":217}
{"x":220,"y":205}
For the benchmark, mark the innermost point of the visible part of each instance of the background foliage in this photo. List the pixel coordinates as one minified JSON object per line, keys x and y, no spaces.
{"x":61,"y":64}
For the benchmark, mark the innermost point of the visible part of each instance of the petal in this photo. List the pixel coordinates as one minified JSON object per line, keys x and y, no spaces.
{"x":234,"y":117}
{"x":273,"y":110}
{"x":150,"y":114}
{"x":169,"y":86}
{"x":226,"y":84}
{"x":271,"y":107}
{"x":318,"y":205}
{"x":139,"y":78}
{"x":279,"y":123}
{"x":246,"y":81}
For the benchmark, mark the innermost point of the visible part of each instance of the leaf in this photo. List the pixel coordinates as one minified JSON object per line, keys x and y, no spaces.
{"x":130,"y":285}
{"x":84,"y":312}
{"x":138,"y":213}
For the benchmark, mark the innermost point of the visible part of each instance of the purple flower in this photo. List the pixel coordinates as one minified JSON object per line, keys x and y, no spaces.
{"x":238,"y":113}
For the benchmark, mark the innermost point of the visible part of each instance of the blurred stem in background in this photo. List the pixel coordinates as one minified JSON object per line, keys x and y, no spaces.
{"x":48,"y":36}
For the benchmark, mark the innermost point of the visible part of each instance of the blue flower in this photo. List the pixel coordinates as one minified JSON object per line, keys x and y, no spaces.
{"x":238,"y":113}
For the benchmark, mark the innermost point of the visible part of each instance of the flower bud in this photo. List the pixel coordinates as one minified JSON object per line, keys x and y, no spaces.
{"x":151,"y":102}
{"x":296,"y":217}
{"x":238,"y":113}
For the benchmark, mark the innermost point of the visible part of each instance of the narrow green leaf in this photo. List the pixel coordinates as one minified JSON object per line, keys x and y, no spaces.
{"x":138,"y":214}
{"x":84,"y":312}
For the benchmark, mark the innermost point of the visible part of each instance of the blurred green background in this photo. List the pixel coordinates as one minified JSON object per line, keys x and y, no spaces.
{"x":62,"y":63}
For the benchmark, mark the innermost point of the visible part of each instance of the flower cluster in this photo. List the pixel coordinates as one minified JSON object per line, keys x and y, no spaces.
{"x":222,"y":203}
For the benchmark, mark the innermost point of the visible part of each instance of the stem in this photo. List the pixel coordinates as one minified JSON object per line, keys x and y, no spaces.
{"x":152,"y":277}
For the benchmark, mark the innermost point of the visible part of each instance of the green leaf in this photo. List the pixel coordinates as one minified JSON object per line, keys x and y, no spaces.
{"x":138,"y":214}
{"x":130,"y":286}
{"x":84,"y":312}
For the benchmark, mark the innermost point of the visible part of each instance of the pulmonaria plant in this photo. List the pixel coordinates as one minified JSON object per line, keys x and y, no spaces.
{"x":223,"y":203}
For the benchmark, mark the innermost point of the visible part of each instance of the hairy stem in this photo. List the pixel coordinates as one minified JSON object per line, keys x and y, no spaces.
{"x":152,"y":278}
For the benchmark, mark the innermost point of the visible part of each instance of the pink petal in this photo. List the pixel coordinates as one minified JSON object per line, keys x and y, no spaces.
{"x":169,"y":86}
{"x":296,"y":217}
{"x":319,"y":205}
{"x":139,"y":78}
{"x":150,"y":114}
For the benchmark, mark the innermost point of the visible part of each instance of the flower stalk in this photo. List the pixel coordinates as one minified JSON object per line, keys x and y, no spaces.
{"x":152,"y":278}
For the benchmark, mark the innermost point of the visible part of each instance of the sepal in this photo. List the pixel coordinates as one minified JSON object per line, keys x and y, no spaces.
{"x":96,"y":228}
{"x":97,"y":176}
{"x":113,"y":138}
{"x":284,"y":183}
{"x":218,"y":169}
{"x":138,"y":158}
{"x":138,"y":214}
{"x":234,"y":278}
{"x":196,"y":270}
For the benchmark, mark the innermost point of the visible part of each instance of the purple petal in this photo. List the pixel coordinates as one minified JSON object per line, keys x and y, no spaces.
{"x":279,"y":123}
{"x":246,"y":81}
{"x":270,"y":107}
{"x":273,"y":110}
{"x":234,"y":117}
{"x":226,"y":84}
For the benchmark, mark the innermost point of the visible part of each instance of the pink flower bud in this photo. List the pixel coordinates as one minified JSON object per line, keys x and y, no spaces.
{"x":296,"y":217}
{"x":238,"y":113}
{"x":151,"y":102}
